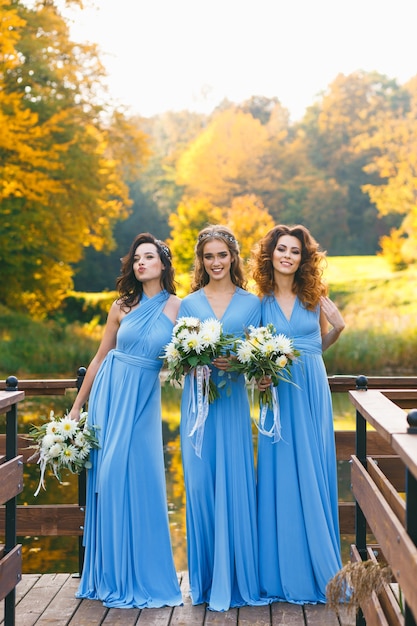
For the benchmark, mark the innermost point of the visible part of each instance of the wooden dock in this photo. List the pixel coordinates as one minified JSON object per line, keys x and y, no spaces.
{"x":49,"y":599}
{"x":384,"y":468}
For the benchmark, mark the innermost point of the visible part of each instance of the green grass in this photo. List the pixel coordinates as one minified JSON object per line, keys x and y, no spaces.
{"x":379,"y":307}
{"x":367,"y":290}
{"x":380,"y":310}
{"x":342,"y":268}
{"x":49,"y":349}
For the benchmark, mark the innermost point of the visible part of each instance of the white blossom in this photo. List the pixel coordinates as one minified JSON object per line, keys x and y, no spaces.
{"x":68,"y":427}
{"x":283,"y":344}
{"x":69,"y":454}
{"x":244,"y":352}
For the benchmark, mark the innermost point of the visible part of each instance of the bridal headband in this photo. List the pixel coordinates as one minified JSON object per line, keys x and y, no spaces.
{"x":164,"y":248}
{"x":217,"y":235}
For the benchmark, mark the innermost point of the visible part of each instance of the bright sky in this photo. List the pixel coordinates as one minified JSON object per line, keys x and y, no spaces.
{"x":165,"y":55}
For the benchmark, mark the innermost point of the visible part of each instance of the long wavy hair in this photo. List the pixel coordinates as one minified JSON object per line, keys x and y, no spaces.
{"x":308,"y":280}
{"x":200,"y":277}
{"x":129,"y":287}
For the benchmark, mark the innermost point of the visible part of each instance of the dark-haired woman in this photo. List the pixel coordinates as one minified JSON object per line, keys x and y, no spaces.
{"x":298,"y":526}
{"x":128,"y":555}
{"x":218,"y":453}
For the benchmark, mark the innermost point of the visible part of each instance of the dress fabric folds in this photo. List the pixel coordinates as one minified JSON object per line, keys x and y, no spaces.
{"x":220,"y":486}
{"x":128,"y":555}
{"x":299,"y":541}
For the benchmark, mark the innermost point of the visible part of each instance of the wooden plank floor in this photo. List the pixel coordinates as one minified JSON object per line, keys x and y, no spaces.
{"x":49,"y":599}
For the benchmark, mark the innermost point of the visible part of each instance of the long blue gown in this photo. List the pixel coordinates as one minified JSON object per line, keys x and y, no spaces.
{"x":299,"y":541}
{"x":128,"y":556}
{"x":220,"y":486}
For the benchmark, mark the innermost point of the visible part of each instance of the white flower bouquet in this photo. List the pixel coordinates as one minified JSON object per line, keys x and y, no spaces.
{"x":263,"y":352}
{"x":62,"y":443}
{"x":193,"y":346}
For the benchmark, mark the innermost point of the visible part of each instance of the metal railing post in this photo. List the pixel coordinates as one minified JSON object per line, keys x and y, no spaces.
{"x":411,"y":508}
{"x":82,"y":486}
{"x":360,"y":519}
{"x":11,"y":505}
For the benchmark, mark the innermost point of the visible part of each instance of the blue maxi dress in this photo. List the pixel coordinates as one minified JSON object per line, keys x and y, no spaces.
{"x":128,"y":555}
{"x":220,"y":486}
{"x":299,"y":541}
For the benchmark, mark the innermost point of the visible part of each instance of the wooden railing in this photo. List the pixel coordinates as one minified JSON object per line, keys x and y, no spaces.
{"x":48,"y":519}
{"x":68,"y":519}
{"x":398,"y":392}
{"x":11,"y":484}
{"x":379,"y":506}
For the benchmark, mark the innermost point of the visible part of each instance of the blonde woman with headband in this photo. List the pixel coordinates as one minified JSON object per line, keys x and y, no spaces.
{"x":218,"y":454}
{"x":128,"y":556}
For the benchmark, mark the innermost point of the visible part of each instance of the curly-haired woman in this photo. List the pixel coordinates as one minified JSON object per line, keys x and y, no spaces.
{"x":299,"y":542}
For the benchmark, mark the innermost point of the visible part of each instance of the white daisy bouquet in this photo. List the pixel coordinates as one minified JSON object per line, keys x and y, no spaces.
{"x":62,"y":443}
{"x":264,"y":352}
{"x":193,"y":346}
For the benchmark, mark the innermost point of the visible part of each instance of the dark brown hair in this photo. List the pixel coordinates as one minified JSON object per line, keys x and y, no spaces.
{"x":308,"y":279}
{"x":129,"y":287}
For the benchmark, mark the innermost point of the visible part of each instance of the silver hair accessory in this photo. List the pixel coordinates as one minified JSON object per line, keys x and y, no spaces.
{"x":164,"y":248}
{"x":218,"y":235}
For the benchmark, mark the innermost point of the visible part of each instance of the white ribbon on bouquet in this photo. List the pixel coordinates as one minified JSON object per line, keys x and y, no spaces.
{"x":199,"y":406}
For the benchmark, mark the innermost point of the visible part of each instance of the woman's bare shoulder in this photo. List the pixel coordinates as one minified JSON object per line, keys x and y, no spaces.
{"x":172,"y":307}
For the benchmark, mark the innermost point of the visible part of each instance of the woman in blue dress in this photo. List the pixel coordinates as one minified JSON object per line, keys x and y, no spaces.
{"x":128,"y":556}
{"x":218,"y":457}
{"x":299,"y":541}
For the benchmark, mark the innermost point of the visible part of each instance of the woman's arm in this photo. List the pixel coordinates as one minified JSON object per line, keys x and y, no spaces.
{"x":107,"y":343}
{"x":330,"y":314}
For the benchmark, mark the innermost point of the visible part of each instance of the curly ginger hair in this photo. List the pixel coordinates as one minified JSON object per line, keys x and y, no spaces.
{"x":308,"y":280}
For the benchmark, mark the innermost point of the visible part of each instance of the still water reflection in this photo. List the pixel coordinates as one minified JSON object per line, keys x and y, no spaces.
{"x":60,"y":554}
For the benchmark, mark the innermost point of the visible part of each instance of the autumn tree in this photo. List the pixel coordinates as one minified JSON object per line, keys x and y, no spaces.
{"x":246,"y":216}
{"x":226,"y":159}
{"x":169,"y":135}
{"x":192,"y":215}
{"x":351,"y":107}
{"x":395,"y":164}
{"x":249,"y":221}
{"x":64,"y":160}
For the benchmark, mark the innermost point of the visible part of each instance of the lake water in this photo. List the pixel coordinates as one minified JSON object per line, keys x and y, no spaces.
{"x":60,"y":554}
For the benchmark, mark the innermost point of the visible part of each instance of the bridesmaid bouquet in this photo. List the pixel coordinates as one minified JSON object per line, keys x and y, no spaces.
{"x":62,"y":443}
{"x":193,"y":346}
{"x":261,"y":353}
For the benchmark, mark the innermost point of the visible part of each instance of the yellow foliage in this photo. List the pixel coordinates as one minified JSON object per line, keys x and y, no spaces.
{"x":391,"y":248}
{"x":246,"y":217}
{"x":64,"y":165}
{"x":192,"y":215}
{"x":249,"y":221}
{"x":395,"y":163}
{"x":10,"y":23}
{"x":226,"y":158}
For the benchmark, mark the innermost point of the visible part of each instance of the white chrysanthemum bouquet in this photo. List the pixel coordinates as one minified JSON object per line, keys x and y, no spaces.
{"x":62,"y":443}
{"x":263,"y":352}
{"x":193,"y":346}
